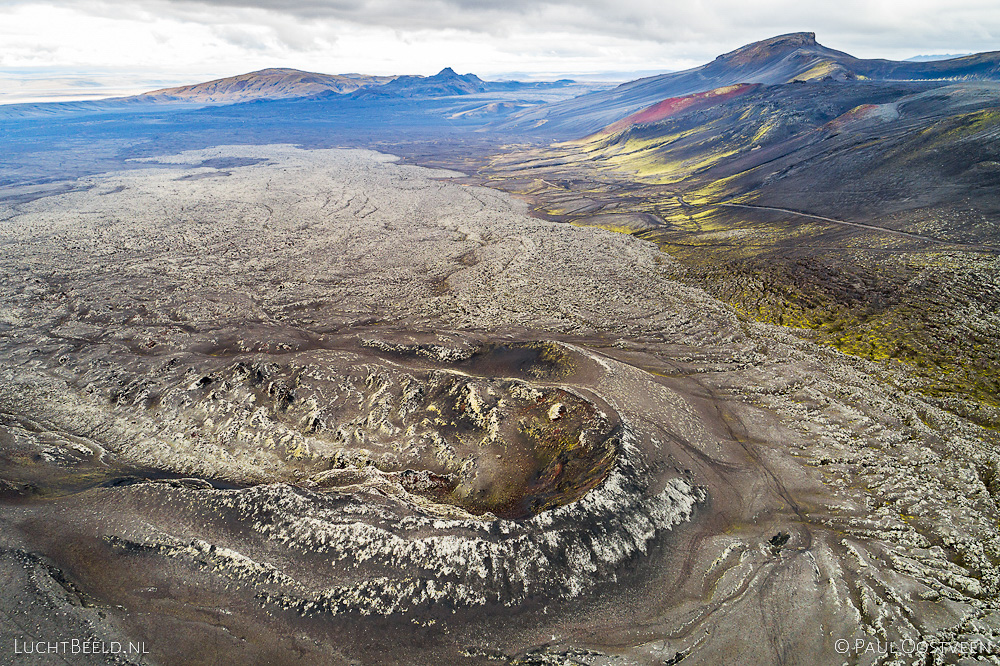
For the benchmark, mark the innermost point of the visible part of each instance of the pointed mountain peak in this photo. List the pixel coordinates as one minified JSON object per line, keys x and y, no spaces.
{"x":447,"y":71}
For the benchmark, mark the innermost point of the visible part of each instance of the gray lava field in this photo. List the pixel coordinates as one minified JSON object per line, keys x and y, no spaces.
{"x":268,"y":405}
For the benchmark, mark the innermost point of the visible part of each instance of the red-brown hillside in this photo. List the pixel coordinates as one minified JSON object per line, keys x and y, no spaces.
{"x":673,"y":105}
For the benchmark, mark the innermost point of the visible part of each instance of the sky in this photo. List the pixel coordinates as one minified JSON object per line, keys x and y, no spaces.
{"x":90,"y":48}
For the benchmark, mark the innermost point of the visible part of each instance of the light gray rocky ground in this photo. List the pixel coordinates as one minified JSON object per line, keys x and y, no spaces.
{"x":324,"y":408}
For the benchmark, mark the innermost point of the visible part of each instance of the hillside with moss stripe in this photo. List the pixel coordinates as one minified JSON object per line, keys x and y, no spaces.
{"x":859,"y":215}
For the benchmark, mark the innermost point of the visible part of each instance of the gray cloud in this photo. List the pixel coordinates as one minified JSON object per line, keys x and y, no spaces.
{"x":972,"y":24}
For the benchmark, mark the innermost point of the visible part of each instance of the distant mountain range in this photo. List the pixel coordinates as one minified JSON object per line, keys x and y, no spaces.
{"x":548,"y":109}
{"x":272,"y":84}
{"x":444,"y":83}
{"x":283,"y":83}
{"x":939,"y":56}
{"x":292,"y":85}
{"x":783,"y":59}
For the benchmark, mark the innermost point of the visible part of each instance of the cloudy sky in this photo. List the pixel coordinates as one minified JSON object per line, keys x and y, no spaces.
{"x":85,"y":46}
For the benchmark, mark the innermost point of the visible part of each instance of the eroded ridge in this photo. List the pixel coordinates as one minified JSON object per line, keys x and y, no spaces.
{"x":375,"y":553}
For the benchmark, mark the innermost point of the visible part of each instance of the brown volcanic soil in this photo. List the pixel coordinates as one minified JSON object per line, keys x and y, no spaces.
{"x":260,"y":417}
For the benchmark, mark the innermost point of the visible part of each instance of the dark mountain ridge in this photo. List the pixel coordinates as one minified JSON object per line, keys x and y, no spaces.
{"x":782,"y":59}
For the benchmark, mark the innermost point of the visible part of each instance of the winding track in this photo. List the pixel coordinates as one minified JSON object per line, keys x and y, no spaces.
{"x":860,"y":225}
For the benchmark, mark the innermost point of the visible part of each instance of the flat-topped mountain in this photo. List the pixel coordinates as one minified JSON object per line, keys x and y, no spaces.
{"x":273,"y":83}
{"x":782,"y":59}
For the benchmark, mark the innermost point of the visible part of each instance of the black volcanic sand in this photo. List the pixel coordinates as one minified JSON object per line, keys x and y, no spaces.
{"x":333,"y":409}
